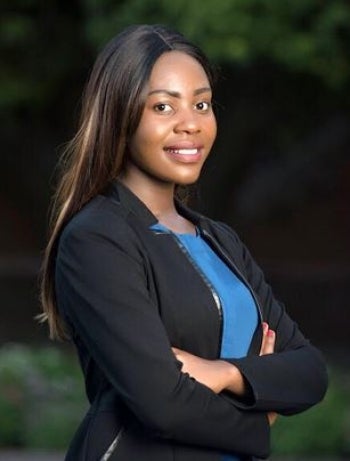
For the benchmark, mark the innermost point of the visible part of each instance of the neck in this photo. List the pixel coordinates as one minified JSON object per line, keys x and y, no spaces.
{"x":157,"y":196}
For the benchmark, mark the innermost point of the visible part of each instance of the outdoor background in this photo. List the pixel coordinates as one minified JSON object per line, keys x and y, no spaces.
{"x":279,"y":174}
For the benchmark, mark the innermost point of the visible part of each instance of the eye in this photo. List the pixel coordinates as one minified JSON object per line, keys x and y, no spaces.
{"x":203,"y":106}
{"x":163,"y":108}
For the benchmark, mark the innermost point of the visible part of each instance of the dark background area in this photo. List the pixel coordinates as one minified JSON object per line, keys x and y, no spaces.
{"x":280,"y":169}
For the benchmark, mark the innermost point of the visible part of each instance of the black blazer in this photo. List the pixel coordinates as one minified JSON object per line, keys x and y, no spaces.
{"x":128,"y":295}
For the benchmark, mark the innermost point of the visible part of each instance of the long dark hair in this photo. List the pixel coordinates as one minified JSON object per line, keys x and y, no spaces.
{"x":112,"y":105}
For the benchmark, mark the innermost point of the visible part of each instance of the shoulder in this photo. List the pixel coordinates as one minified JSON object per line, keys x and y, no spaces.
{"x":229,"y":240}
{"x":218,"y":229}
{"x":100,"y":220}
{"x":223,"y":232}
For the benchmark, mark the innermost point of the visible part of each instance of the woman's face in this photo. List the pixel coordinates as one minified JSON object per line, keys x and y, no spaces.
{"x":177,"y":127}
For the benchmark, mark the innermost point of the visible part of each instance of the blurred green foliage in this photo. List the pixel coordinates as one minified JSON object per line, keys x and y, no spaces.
{"x":42,"y":402}
{"x":44,"y":44}
{"x":304,"y":35}
{"x":41,"y":397}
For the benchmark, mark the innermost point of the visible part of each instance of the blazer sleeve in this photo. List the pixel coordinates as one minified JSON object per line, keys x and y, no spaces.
{"x":294,"y":377}
{"x":101,"y":289}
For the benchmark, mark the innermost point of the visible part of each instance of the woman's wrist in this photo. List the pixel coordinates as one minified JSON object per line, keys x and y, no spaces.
{"x":235,"y":381}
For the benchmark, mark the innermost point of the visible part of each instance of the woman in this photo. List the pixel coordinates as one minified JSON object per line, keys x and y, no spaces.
{"x":186,"y":354}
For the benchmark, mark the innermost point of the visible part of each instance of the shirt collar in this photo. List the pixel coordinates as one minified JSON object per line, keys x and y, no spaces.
{"x":134,"y":205}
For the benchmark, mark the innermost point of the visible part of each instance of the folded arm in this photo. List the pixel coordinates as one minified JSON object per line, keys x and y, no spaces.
{"x":294,"y":377}
{"x":102,"y":292}
{"x":220,"y":375}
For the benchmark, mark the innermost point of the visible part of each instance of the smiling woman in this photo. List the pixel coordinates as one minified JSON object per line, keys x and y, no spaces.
{"x":186,"y":353}
{"x":174,"y":136}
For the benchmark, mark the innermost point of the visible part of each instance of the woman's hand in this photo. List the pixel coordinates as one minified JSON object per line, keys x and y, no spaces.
{"x":220,"y":375}
{"x":215,"y":374}
{"x":268,"y":340}
{"x":272,"y":416}
{"x":268,"y":347}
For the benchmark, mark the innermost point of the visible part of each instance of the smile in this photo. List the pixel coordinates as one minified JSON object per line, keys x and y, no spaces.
{"x":185,"y":154}
{"x":193,"y":151}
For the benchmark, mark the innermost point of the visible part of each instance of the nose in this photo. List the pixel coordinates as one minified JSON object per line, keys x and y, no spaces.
{"x":187,"y":122}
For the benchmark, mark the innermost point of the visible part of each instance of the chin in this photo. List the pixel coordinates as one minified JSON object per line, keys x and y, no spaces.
{"x":187,"y":180}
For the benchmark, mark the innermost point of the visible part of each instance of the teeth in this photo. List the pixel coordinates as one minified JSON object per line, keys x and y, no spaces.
{"x":184,"y":151}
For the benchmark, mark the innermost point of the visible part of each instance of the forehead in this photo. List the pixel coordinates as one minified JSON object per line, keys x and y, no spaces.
{"x":175,"y":69}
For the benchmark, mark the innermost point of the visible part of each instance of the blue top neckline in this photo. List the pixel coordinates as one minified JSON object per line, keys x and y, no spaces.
{"x":161,"y":227}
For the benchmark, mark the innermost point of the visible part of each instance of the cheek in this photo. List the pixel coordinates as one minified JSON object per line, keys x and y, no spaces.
{"x":212,"y":128}
{"x":148,"y":134}
{"x":138,"y":143}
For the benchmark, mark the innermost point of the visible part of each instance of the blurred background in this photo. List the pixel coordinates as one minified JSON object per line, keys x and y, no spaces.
{"x":279,"y":174}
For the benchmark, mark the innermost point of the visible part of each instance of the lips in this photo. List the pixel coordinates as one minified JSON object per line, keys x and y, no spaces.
{"x":172,"y":150}
{"x":185,"y":152}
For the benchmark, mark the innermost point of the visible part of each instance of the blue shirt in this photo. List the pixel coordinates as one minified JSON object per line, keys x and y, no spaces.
{"x":239,"y":311}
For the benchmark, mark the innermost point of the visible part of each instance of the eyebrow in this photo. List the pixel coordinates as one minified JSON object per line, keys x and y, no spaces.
{"x":176,"y":94}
